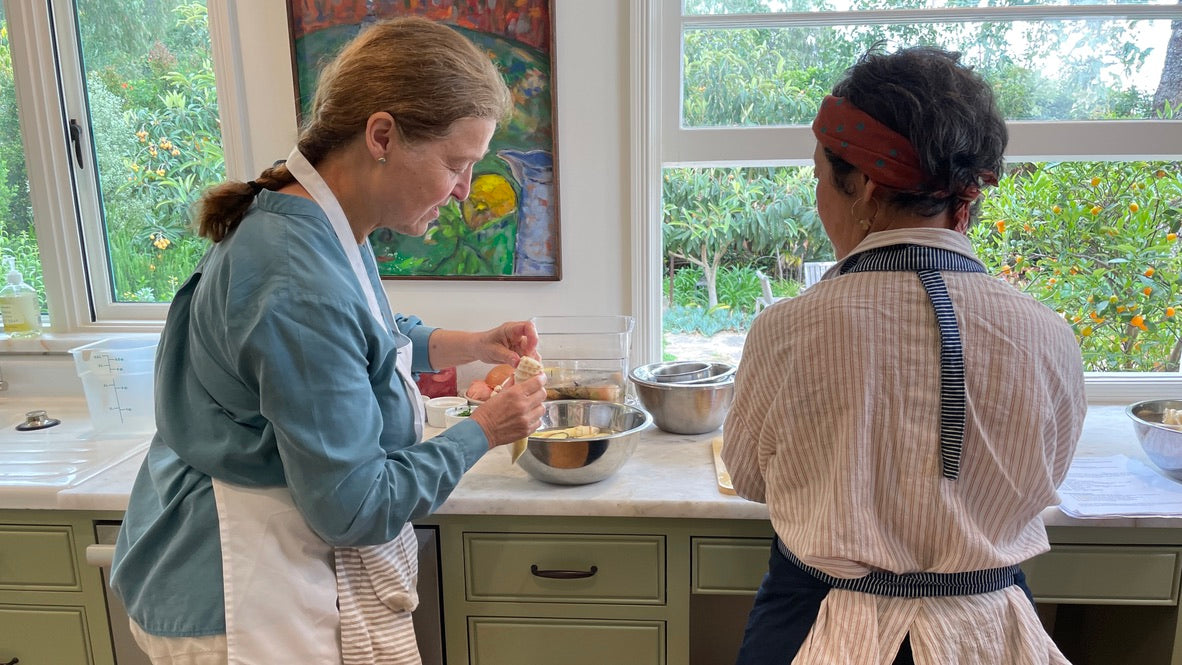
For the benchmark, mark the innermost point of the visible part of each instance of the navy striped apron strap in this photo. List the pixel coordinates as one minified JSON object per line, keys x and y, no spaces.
{"x":928,"y":262}
{"x":914,"y":585}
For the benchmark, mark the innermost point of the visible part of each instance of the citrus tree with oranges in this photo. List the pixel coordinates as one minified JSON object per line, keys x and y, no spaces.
{"x":1098,"y":242}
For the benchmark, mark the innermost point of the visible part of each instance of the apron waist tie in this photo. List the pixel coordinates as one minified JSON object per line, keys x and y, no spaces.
{"x":914,"y":585}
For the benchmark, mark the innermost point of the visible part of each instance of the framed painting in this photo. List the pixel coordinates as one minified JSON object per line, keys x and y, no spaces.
{"x":507,"y":228}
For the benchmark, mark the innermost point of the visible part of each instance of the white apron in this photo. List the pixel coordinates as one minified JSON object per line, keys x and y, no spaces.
{"x":278,"y":576}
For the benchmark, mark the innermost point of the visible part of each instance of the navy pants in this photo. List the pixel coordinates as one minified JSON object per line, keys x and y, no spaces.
{"x":786,"y":607}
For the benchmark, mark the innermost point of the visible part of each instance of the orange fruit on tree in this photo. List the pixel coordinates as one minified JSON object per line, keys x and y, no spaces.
{"x":1095,"y":181}
{"x":1147,"y":290}
{"x":1169,"y":311}
{"x":1096,"y":210}
{"x":1133,"y":207}
{"x":1171,"y":237}
{"x":1056,"y":210}
{"x":1149,"y":271}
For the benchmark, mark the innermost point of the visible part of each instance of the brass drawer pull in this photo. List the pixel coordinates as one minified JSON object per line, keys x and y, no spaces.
{"x":562,"y":574}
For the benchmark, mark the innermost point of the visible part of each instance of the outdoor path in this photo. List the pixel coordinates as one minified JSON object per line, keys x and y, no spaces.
{"x":724,"y":347}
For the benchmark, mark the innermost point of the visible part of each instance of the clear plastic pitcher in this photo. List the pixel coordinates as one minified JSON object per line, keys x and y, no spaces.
{"x":118,"y":380}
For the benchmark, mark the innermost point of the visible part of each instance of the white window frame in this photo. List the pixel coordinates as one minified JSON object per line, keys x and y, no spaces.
{"x":50,"y":91}
{"x":659,"y":140}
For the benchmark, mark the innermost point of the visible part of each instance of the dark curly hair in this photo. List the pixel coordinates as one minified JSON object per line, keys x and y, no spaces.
{"x":944,"y":108}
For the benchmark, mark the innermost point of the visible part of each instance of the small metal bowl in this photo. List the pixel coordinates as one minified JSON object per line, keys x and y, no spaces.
{"x":584,"y":460}
{"x":679,"y":371}
{"x":687,"y":408}
{"x":1162,"y":444}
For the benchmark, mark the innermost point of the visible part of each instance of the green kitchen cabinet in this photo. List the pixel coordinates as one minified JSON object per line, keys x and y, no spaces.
{"x":677,"y":591}
{"x":52,"y":605}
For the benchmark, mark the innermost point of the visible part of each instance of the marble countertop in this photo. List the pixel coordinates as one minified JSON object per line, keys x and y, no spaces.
{"x":669,"y":476}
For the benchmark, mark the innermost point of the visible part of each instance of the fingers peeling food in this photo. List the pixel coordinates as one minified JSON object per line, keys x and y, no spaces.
{"x":527,"y":368}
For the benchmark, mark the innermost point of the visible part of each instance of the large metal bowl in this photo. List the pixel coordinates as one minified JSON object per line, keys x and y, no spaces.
{"x":584,"y":460}
{"x":1162,"y":444}
{"x":686,"y":408}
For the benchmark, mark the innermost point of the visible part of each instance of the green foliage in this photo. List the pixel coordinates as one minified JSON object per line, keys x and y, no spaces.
{"x":739,"y":215}
{"x":707,"y":322}
{"x":738,"y":288}
{"x":1098,"y":243}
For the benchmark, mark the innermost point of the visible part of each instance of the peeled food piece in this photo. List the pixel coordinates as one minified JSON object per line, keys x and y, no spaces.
{"x":527,"y":368}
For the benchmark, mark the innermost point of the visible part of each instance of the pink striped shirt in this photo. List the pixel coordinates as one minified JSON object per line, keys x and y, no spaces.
{"x":835,"y":427}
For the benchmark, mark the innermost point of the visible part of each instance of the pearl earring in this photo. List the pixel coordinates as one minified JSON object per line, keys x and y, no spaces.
{"x":381,"y":160}
{"x":865,"y":224}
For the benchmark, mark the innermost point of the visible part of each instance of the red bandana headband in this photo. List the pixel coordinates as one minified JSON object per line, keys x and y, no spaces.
{"x":884,"y":155}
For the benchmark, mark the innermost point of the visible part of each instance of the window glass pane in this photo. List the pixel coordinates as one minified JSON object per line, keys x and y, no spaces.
{"x":18,"y":238}
{"x":721,"y":7}
{"x":1042,"y":70}
{"x":154,"y":118}
{"x":1097,"y":242}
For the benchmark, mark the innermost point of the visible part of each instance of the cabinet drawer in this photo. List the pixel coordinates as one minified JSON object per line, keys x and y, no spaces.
{"x":497,"y":641}
{"x":44,"y":635}
{"x":37,"y":558}
{"x":1105,"y":575}
{"x":729,"y":566}
{"x":558,"y":568}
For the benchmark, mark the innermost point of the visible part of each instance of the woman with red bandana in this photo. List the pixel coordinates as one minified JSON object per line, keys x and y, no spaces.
{"x":931,"y":410}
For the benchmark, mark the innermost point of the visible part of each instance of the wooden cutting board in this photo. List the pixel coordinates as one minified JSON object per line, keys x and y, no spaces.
{"x":724,"y":477}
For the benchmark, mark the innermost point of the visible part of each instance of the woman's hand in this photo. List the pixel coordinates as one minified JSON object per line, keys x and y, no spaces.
{"x":513,"y":413}
{"x":507,"y":343}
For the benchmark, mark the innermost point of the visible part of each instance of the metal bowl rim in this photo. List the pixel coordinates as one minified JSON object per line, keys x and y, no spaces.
{"x":1130,"y":412}
{"x":646,"y":421}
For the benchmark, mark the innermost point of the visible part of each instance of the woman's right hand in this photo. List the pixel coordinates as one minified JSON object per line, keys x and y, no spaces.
{"x":513,"y":413}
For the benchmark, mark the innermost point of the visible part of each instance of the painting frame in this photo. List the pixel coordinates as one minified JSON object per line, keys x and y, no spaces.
{"x":508,"y":229}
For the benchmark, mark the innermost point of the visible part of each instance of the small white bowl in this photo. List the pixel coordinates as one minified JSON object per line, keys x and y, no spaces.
{"x":436,"y":407}
{"x":457,"y":414}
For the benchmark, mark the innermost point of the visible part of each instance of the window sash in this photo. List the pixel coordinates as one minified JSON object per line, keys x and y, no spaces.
{"x":50,"y":91}
{"x":659,"y":141}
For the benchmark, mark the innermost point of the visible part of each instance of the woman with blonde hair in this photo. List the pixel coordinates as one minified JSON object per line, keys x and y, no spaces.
{"x":288,"y":460}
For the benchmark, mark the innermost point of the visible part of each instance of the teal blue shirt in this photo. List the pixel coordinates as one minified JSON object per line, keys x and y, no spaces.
{"x":271,"y":371}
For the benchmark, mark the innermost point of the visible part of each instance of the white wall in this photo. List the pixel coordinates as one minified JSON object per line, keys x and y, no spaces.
{"x":591,"y":83}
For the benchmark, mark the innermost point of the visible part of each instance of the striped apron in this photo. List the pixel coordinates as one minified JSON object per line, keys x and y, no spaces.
{"x":790,"y":596}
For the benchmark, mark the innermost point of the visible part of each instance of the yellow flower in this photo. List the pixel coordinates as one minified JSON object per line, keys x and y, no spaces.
{"x":151,"y":266}
{"x":1086,"y":332}
{"x":160,"y":172}
{"x":175,"y":152}
{"x":1096,"y":210}
{"x":1095,"y":181}
{"x":161,"y":242}
{"x":1005,"y":270}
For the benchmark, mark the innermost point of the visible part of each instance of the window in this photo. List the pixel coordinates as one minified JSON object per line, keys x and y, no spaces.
{"x":1086,"y":219}
{"x":119,"y":123}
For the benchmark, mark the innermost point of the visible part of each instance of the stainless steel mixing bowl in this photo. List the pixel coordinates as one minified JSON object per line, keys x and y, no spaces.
{"x":1162,"y":444}
{"x":580,"y":461}
{"x":686,"y":408}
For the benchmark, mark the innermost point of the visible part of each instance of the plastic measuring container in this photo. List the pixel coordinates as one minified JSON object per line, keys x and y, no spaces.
{"x":118,"y":379}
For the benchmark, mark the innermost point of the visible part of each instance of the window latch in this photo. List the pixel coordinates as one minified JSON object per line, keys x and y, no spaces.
{"x":76,"y":139}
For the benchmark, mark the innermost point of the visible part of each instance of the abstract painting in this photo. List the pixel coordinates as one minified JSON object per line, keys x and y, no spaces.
{"x":507,"y":228}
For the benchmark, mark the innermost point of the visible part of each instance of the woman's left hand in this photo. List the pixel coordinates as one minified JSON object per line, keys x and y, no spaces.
{"x":507,"y":343}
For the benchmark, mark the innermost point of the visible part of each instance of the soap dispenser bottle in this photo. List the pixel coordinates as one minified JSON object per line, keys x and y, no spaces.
{"x":19,"y":306}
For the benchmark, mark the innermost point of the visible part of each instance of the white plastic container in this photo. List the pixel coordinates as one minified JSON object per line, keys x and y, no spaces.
{"x":118,"y":379}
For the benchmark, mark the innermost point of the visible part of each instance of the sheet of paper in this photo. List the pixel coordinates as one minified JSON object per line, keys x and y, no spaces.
{"x":1118,"y":486}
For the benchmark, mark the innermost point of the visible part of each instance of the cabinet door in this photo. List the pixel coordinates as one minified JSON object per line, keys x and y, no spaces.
{"x":498,"y":641}
{"x":42,"y":634}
